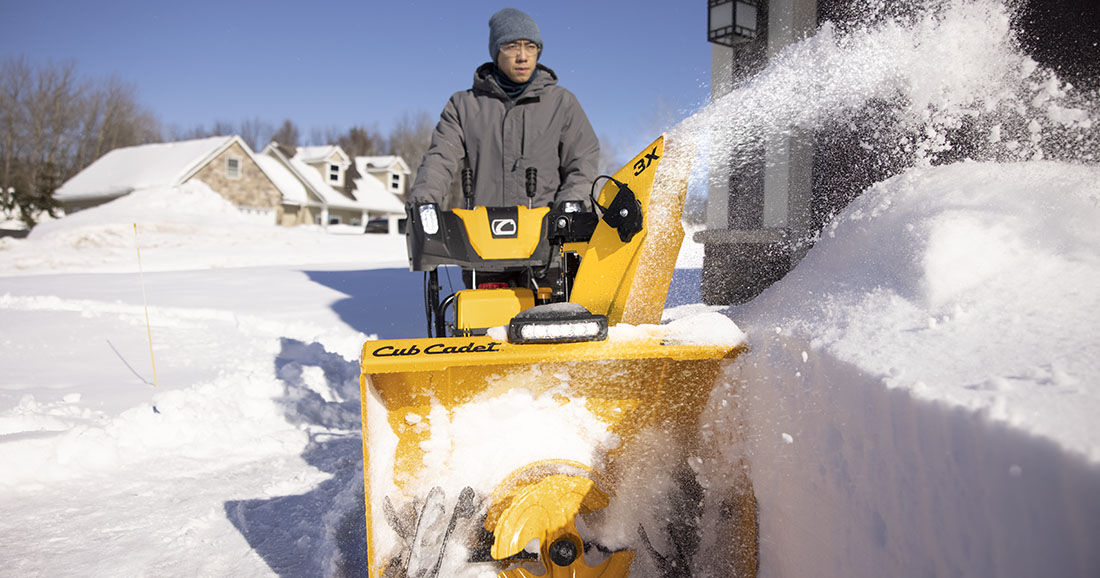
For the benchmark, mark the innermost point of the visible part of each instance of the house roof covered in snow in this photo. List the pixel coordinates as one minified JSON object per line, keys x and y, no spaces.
{"x":372,"y":193}
{"x":292,"y":189}
{"x":323,"y":153}
{"x":144,"y":166}
{"x":316,"y":183}
{"x":311,"y":180}
{"x":392,"y":163}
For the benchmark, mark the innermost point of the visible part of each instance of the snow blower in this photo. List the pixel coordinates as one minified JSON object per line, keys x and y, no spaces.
{"x":546,"y":412}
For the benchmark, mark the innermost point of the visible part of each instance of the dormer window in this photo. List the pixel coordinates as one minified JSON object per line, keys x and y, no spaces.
{"x":395,"y":182}
{"x":233,"y":168}
{"x":333,"y":173}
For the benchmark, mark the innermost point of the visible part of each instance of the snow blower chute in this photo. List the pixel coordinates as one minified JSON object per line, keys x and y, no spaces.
{"x":519,"y":438}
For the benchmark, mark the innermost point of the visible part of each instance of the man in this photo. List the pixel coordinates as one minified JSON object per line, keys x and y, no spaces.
{"x":514,"y":117}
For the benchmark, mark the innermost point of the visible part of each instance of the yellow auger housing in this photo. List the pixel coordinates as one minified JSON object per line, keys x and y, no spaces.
{"x":482,"y":452}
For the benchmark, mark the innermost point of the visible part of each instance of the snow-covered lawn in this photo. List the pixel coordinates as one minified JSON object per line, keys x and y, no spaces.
{"x":234,"y":462}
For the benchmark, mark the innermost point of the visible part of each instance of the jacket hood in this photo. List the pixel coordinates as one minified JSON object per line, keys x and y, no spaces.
{"x":484,"y":81}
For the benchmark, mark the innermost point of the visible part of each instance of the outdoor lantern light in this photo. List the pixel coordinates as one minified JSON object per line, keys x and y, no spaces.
{"x":731,"y":22}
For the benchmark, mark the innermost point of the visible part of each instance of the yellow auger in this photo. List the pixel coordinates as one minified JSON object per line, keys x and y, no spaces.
{"x":520,"y":416}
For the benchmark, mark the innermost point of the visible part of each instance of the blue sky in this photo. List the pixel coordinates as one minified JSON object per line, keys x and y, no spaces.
{"x":632,"y":64}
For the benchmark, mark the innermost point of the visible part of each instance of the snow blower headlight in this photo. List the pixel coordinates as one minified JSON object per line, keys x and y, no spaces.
{"x":429,"y":218}
{"x":557,"y":323}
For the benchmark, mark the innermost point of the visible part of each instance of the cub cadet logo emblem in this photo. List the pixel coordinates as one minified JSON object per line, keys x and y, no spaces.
{"x":644,"y":162}
{"x":434,"y":349}
{"x":503,"y":227}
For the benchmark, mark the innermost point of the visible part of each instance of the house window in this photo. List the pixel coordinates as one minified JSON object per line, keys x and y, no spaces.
{"x":395,"y":182}
{"x":233,"y":168}
{"x":333,"y":173}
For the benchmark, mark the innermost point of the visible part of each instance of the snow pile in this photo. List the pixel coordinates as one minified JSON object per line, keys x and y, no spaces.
{"x":686,"y":327}
{"x":921,"y":390}
{"x":519,"y":422}
{"x":232,"y":417}
{"x":985,"y":265}
{"x":179,"y":227}
{"x":190,"y":207}
{"x":935,"y":352}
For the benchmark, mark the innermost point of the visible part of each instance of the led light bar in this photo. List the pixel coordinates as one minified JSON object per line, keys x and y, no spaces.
{"x":557,"y":323}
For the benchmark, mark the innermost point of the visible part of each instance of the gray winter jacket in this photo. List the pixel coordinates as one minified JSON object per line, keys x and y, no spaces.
{"x":544,"y":128}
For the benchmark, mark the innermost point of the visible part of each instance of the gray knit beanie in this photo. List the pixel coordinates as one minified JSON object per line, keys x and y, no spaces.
{"x":509,"y":25}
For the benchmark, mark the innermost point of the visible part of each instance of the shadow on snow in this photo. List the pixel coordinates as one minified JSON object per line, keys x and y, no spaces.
{"x":385,"y":302}
{"x":390,"y":302}
{"x":322,"y":532}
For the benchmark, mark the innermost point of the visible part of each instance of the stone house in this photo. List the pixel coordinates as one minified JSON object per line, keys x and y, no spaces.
{"x":226,"y":164}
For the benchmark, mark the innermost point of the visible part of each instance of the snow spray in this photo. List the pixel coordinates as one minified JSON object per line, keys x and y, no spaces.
{"x":921,"y":82}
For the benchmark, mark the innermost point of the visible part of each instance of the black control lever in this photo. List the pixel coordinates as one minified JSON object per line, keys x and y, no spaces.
{"x":532,"y":184}
{"x":468,"y":186}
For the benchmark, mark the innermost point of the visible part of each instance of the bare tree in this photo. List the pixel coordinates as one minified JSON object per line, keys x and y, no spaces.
{"x":223,"y":128}
{"x":112,"y":118}
{"x":332,"y":134}
{"x":322,"y":136}
{"x":92,"y":115}
{"x":410,"y":139}
{"x":361,"y":141}
{"x":53,"y":124}
{"x":287,"y":134}
{"x":256,"y":132}
{"x":195,"y":132}
{"x":15,"y":81}
{"x":49,"y":108}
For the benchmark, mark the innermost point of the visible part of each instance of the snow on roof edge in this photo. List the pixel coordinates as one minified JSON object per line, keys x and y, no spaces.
{"x":121,"y":171}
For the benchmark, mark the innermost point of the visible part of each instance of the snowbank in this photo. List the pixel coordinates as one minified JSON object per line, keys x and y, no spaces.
{"x":193,"y":206}
{"x":853,"y":478}
{"x":920,"y":395}
{"x":982,"y":267}
{"x":179,"y":228}
{"x":921,"y":392}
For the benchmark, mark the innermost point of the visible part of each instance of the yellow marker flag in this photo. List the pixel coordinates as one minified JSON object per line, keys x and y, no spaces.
{"x":145,"y":301}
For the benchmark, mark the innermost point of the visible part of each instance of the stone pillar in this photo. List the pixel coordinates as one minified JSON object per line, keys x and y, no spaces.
{"x":760,"y":201}
{"x":787,"y":182}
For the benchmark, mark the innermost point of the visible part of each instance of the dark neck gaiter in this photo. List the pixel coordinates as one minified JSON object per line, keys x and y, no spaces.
{"x":511,"y":88}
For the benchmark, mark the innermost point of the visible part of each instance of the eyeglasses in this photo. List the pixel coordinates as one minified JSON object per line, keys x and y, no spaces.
{"x":513,"y":48}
